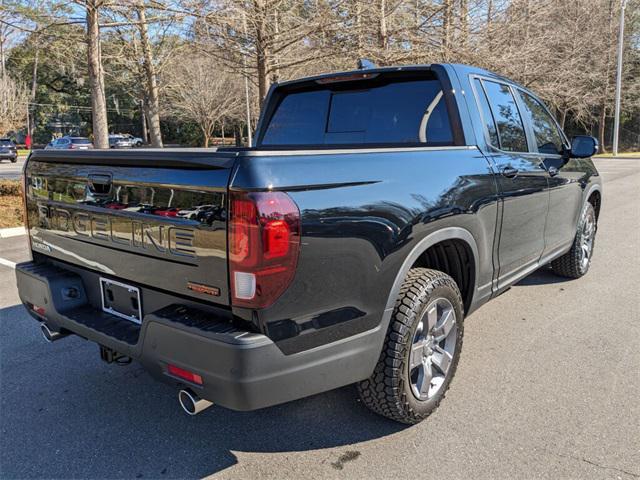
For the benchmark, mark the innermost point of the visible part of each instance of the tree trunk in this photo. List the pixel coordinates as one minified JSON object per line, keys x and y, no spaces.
{"x":223,"y":139}
{"x":2,"y":51}
{"x":383,"y":38}
{"x":237,"y":133}
{"x":143,"y":121}
{"x":151,"y":83}
{"x":208,"y":128}
{"x":34,"y":77}
{"x":464,"y":23}
{"x":31,"y":121}
{"x":489,"y":26}
{"x":359,"y":29}
{"x":261,"y":50}
{"x":275,"y":74}
{"x":446,"y":26}
{"x":96,"y":78}
{"x":601,"y":125}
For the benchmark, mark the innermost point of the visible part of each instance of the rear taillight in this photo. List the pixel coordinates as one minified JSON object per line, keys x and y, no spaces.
{"x":264,"y":242}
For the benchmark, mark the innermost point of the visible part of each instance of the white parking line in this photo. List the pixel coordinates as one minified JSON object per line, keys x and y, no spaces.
{"x":7,"y":263}
{"x":12,"y":232}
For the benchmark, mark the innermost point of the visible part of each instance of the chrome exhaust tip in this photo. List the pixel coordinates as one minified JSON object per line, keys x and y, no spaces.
{"x":192,"y":403}
{"x":50,"y":335}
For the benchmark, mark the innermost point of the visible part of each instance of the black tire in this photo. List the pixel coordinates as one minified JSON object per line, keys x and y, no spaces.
{"x":14,"y":160}
{"x":389,"y":390}
{"x":573,"y":263}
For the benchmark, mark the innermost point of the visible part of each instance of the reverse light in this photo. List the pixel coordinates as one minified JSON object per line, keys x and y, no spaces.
{"x":264,"y":243}
{"x":245,"y":285}
{"x":184,"y":374}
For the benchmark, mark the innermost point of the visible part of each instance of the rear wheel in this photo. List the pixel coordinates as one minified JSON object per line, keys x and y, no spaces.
{"x":421,"y":349}
{"x":14,"y":160}
{"x":575,"y":263}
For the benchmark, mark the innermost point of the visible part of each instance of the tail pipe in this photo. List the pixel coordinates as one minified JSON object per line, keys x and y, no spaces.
{"x":191,"y":402}
{"x":51,"y":335}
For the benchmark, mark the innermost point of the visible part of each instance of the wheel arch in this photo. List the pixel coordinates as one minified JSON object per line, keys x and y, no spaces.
{"x":594,"y":197}
{"x":416,"y":256}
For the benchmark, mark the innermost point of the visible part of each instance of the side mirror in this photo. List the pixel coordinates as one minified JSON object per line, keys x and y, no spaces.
{"x":583,"y":146}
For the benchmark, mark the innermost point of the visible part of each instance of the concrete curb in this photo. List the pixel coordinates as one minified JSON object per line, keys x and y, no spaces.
{"x":12,"y":232}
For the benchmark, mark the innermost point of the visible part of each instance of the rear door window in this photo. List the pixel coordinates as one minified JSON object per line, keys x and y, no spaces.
{"x":487,"y":116}
{"x":405,"y":112}
{"x":507,"y":117}
{"x":545,"y":130}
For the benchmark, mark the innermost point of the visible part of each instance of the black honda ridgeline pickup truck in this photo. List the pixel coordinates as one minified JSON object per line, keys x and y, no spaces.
{"x":377,"y":209}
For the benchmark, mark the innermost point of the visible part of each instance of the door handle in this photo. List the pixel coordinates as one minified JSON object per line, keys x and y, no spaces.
{"x":510,"y":172}
{"x":553,"y":171}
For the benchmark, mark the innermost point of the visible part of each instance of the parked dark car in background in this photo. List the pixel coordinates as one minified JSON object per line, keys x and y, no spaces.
{"x":70,"y":143}
{"x":8,"y":150}
{"x":378,"y":209}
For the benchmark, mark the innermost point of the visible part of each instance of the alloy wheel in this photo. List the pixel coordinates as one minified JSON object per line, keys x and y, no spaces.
{"x":588,"y":235}
{"x":432,"y":349}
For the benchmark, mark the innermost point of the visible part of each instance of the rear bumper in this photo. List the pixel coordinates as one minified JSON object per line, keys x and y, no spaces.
{"x":241,"y":370}
{"x":8,"y":156}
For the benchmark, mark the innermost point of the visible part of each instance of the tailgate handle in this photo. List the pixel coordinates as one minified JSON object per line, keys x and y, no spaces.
{"x":99,"y":183}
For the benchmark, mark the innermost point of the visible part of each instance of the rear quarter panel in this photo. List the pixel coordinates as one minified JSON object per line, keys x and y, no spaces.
{"x":362,"y":213}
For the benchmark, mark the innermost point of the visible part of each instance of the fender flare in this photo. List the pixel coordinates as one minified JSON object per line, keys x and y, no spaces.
{"x":596,"y":187}
{"x":448,"y":233}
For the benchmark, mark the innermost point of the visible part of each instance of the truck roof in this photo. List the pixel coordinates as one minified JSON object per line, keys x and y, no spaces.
{"x":457,"y":67}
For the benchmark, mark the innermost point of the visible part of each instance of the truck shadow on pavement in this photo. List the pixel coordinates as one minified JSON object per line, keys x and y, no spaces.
{"x":64,"y":413}
{"x":543,"y":276}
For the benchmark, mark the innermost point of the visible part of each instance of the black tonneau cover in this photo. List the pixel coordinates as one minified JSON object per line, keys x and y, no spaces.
{"x":145,"y":158}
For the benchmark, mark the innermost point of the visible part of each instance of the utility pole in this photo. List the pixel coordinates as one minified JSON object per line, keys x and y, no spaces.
{"x":616,"y":123}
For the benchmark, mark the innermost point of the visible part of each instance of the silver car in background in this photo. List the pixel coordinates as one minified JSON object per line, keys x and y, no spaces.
{"x":70,"y":143}
{"x":120,"y":141}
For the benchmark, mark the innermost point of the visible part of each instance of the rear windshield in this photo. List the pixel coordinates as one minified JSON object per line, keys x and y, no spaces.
{"x":5,"y":143}
{"x":81,"y":141}
{"x":399,"y":112}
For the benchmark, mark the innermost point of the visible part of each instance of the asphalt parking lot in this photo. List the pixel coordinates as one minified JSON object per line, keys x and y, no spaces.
{"x":11,"y":171}
{"x":548,"y":387}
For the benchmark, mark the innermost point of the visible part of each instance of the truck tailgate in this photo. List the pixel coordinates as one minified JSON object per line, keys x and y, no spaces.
{"x":153,"y":218}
